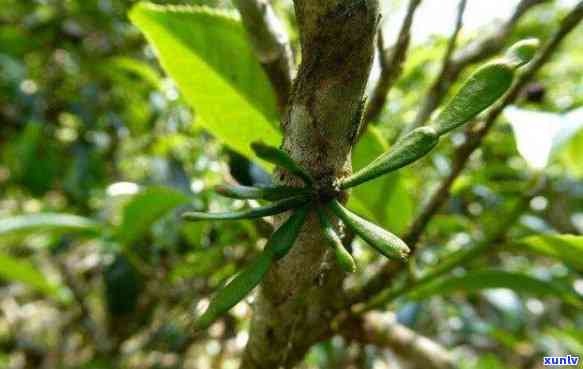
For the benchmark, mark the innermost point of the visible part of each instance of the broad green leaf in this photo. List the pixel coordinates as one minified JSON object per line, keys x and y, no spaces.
{"x":23,"y":271}
{"x":386,"y":199}
{"x":564,"y":247}
{"x":485,"y":279}
{"x":145,"y":208}
{"x":206,"y":52}
{"x":54,"y":223}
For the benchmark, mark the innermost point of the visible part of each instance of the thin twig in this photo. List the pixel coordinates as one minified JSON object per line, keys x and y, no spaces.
{"x":473,"y":53}
{"x":383,"y":330}
{"x":271,"y":45}
{"x":391,"y":64}
{"x":474,"y":138}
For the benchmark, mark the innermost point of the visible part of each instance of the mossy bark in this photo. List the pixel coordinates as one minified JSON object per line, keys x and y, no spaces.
{"x":303,"y":291}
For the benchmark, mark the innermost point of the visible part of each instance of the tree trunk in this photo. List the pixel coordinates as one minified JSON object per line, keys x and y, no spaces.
{"x":303,"y":291}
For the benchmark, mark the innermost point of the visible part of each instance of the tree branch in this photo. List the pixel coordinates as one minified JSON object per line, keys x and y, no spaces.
{"x":473,"y":53}
{"x":391,"y":65}
{"x":474,"y":138}
{"x":303,"y":291}
{"x":383,"y":330}
{"x":271,"y":45}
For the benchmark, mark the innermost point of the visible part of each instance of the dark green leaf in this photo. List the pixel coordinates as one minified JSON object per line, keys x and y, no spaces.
{"x":236,"y":289}
{"x":259,"y":212}
{"x":343,"y":257}
{"x":280,"y":158}
{"x":383,"y":241}
{"x":272,"y":193}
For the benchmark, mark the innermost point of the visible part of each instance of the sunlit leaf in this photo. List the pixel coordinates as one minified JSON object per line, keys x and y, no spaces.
{"x":207,"y":54}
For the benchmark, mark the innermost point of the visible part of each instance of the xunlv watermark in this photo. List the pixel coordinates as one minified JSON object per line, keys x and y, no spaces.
{"x":561,"y":360}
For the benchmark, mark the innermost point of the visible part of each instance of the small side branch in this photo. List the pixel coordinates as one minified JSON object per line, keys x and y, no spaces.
{"x":383,"y":330}
{"x":271,"y":44}
{"x":391,"y":63}
{"x":474,"y":138}
{"x":473,"y":53}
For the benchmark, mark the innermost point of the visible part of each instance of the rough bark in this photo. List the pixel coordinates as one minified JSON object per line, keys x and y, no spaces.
{"x":271,"y":45}
{"x":303,"y":291}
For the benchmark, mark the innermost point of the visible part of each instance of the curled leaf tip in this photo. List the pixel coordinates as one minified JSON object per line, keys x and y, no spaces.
{"x":522,"y":52}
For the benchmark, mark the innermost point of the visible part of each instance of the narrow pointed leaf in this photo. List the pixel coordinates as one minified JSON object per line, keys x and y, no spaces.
{"x":484,"y":87}
{"x":272,"y":193}
{"x":281,"y":158}
{"x":54,"y":223}
{"x":284,"y":238}
{"x":343,"y":257}
{"x":383,"y":241}
{"x":262,"y":211}
{"x":236,"y":289}
{"x":411,"y":147}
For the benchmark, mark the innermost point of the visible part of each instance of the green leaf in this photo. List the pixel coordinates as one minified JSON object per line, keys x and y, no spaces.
{"x":281,"y":158}
{"x":54,"y":223}
{"x":478,"y":280}
{"x":285,"y":236}
{"x":137,"y":67}
{"x":145,"y":208}
{"x":385,"y":200}
{"x":259,"y":212}
{"x":236,"y":290}
{"x":207,"y":54}
{"x":23,"y":271}
{"x":481,"y":90}
{"x":271,"y":193}
{"x":343,"y":257}
{"x":411,"y":147}
{"x":383,"y":241}
{"x":563,"y":247}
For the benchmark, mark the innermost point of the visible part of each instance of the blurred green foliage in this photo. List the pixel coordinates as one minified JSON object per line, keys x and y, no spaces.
{"x":100,"y":151}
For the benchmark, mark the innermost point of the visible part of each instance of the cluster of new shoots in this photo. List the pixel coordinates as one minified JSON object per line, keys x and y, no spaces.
{"x":480,"y":91}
